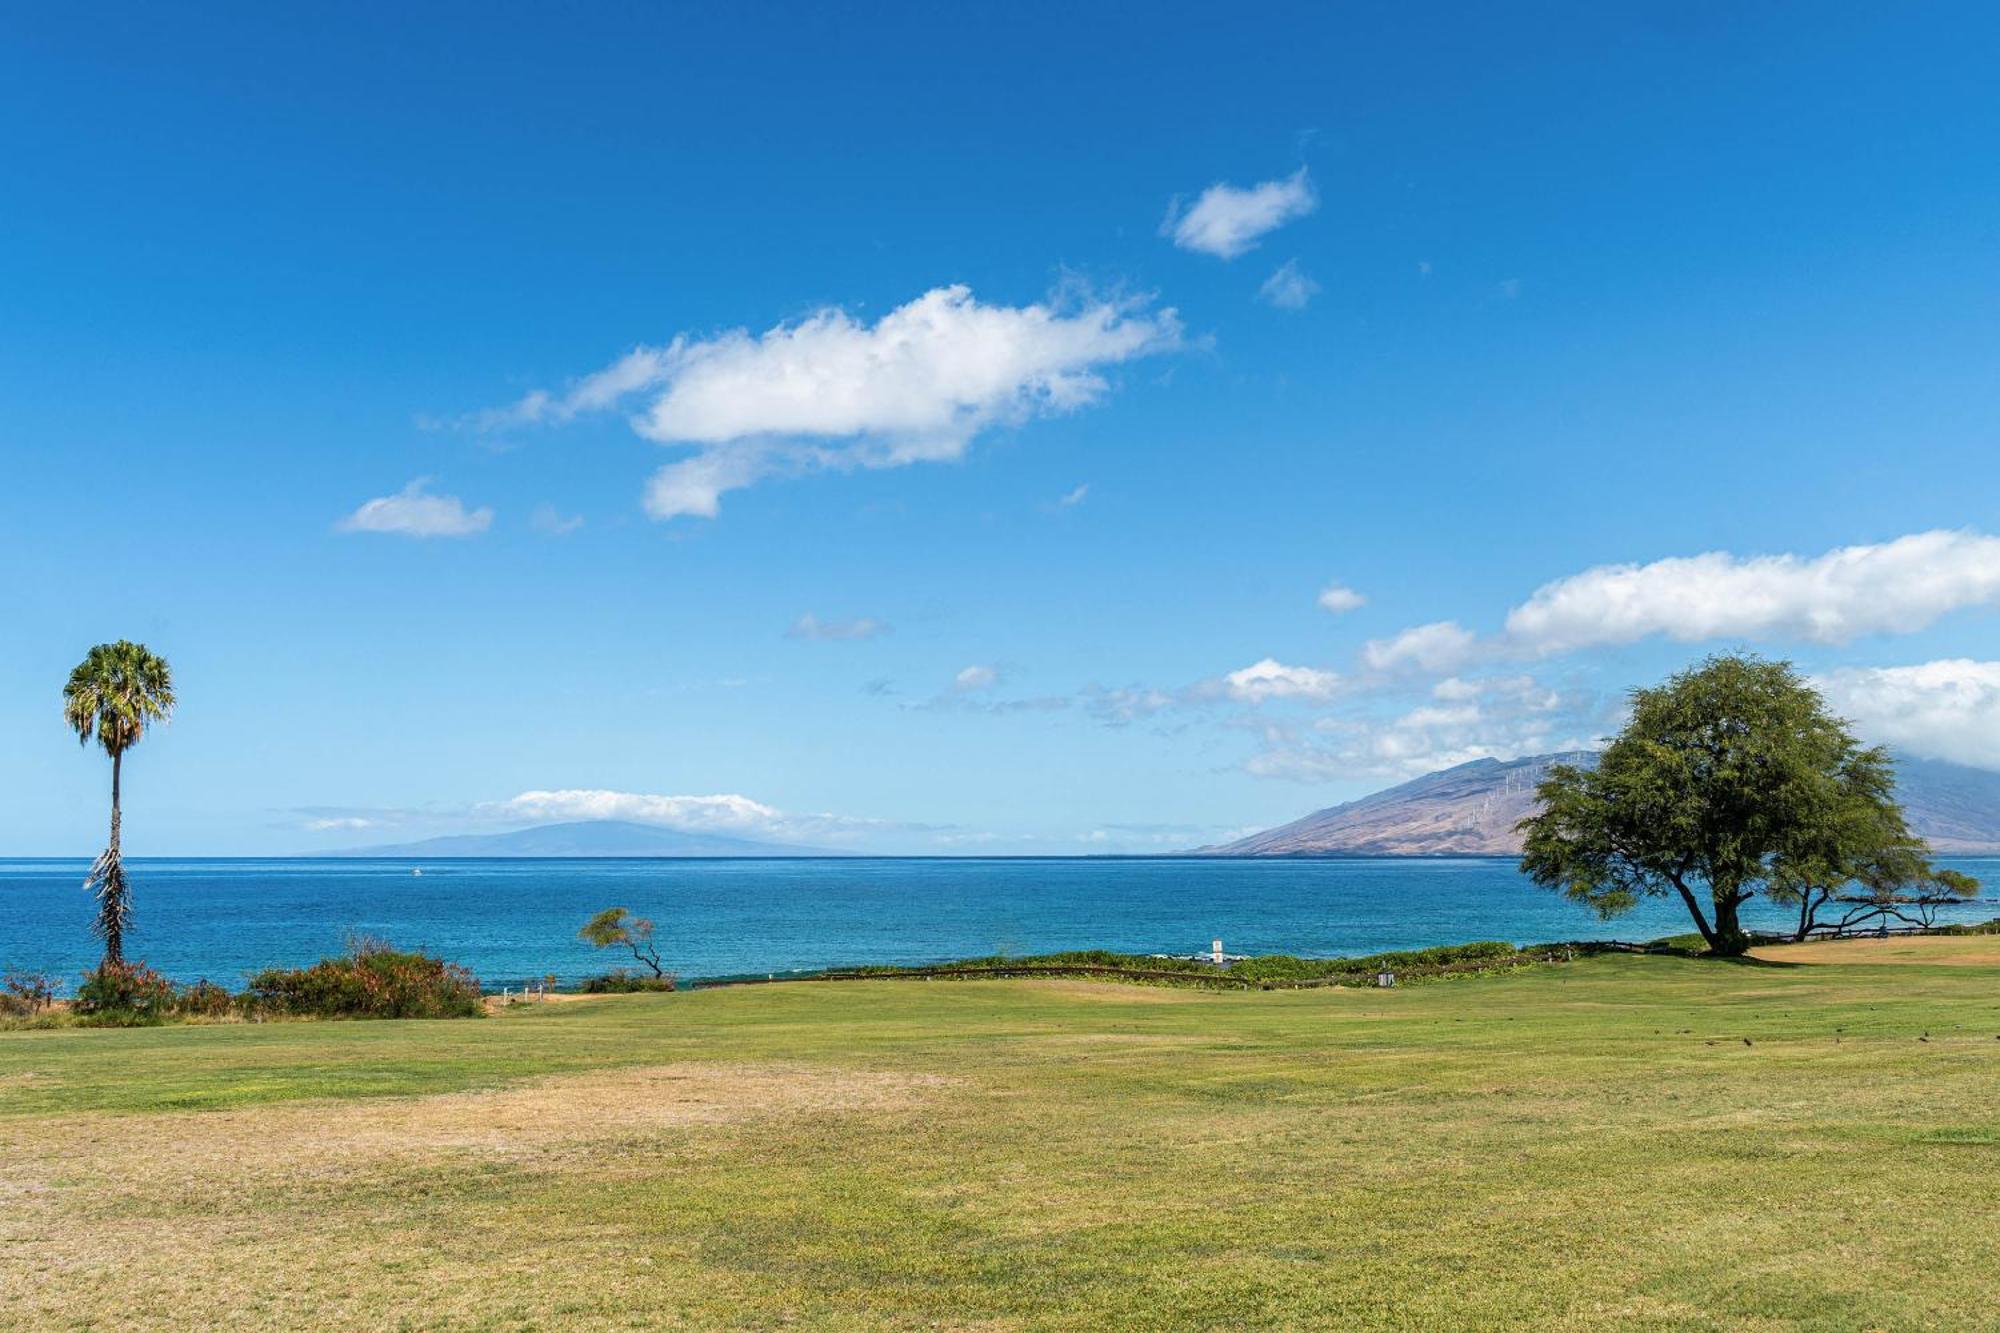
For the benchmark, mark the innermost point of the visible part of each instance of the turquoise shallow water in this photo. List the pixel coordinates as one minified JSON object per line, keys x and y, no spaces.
{"x":512,"y":920}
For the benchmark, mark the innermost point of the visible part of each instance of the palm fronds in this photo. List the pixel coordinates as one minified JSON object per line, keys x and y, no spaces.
{"x":115,"y":693}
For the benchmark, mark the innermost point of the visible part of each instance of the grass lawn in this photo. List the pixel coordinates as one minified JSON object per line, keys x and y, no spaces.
{"x":1587,"y":1146}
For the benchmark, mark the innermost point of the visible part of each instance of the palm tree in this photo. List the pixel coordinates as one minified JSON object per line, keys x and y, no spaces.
{"x":112,"y":695}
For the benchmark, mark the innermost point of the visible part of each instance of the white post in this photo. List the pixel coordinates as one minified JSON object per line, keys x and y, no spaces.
{"x":1215,"y":948}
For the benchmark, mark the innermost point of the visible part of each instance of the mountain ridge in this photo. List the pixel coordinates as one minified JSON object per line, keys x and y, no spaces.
{"x":1471,"y":809}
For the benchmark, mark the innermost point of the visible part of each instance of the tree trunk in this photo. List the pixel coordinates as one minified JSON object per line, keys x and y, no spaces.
{"x":649,"y":956}
{"x":1729,"y":939}
{"x":1810,"y":901}
{"x":111,"y":913}
{"x":1694,"y":910}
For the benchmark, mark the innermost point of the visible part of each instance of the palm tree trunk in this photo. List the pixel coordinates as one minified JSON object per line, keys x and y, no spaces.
{"x":111,"y":908}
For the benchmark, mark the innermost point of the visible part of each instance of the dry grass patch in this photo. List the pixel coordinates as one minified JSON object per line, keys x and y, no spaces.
{"x":518,"y":1003}
{"x":1905,"y":950}
{"x":1113,"y":991}
{"x":548,"y":1119}
{"x":161,"y":1214}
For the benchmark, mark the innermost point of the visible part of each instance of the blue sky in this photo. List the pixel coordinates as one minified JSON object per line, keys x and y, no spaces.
{"x":979,"y":466}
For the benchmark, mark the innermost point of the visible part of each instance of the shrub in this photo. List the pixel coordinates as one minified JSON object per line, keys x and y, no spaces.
{"x":621,"y":982}
{"x":204,"y":999}
{"x":371,"y":981}
{"x":25,"y":994}
{"x":1970,"y":928}
{"x":121,"y":994}
{"x":1282,"y":967}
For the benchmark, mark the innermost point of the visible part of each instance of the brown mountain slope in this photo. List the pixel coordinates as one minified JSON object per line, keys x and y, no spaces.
{"x":1471,"y":810}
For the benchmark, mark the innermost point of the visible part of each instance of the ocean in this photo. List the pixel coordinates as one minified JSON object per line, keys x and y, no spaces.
{"x":513,"y":920}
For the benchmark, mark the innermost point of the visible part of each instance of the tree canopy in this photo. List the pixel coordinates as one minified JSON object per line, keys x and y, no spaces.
{"x":115,"y":693}
{"x":615,"y":926}
{"x":1731,"y":778}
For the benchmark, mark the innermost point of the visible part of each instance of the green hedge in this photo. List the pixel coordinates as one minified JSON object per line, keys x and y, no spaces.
{"x":1267,"y":970}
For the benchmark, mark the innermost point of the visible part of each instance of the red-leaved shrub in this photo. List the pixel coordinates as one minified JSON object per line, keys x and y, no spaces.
{"x":371,"y":981}
{"x":123,"y":993}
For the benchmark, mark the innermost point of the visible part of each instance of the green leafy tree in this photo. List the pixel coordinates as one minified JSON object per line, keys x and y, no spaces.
{"x":115,"y":693}
{"x":1731,"y":778}
{"x":1862,"y":861}
{"x":616,"y":926}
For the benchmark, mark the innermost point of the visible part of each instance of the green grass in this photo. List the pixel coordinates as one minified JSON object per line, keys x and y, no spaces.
{"x":1591,"y":1145}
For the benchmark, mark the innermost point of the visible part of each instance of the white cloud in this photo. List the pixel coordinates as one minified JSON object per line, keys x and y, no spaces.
{"x":832,"y":393}
{"x":1288,"y":288}
{"x":1272,"y":679}
{"x":730,"y":814}
{"x":1936,"y":710}
{"x":694,"y":486}
{"x":1228,"y":220}
{"x":1153,"y":837}
{"x":976,"y":677}
{"x":1338,"y":599}
{"x":638,"y":369}
{"x":1075,"y":497}
{"x":1125,"y":705}
{"x":972,"y":690}
{"x":1455,"y":688}
{"x":1893,"y":587}
{"x":1443,"y":645}
{"x":1487,"y":719}
{"x":414,"y":512}
{"x":552,"y":522}
{"x":810,"y":626}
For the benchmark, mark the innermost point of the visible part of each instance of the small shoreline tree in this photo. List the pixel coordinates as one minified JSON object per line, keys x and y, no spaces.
{"x":615,"y":926}
{"x":1861,"y":858}
{"x":1913,"y":895}
{"x":113,"y":695}
{"x":1731,"y":778}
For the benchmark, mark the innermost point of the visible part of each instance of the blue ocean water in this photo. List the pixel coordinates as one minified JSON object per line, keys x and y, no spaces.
{"x":513,"y":920}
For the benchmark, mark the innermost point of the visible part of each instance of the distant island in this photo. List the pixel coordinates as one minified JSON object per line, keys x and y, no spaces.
{"x":591,"y":837}
{"x":1467,"y":810}
{"x":1471,"y":810}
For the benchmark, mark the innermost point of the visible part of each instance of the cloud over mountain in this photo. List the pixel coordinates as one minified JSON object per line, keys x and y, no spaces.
{"x":1889,"y":588}
{"x":1947,"y":709}
{"x":1893,"y":587}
